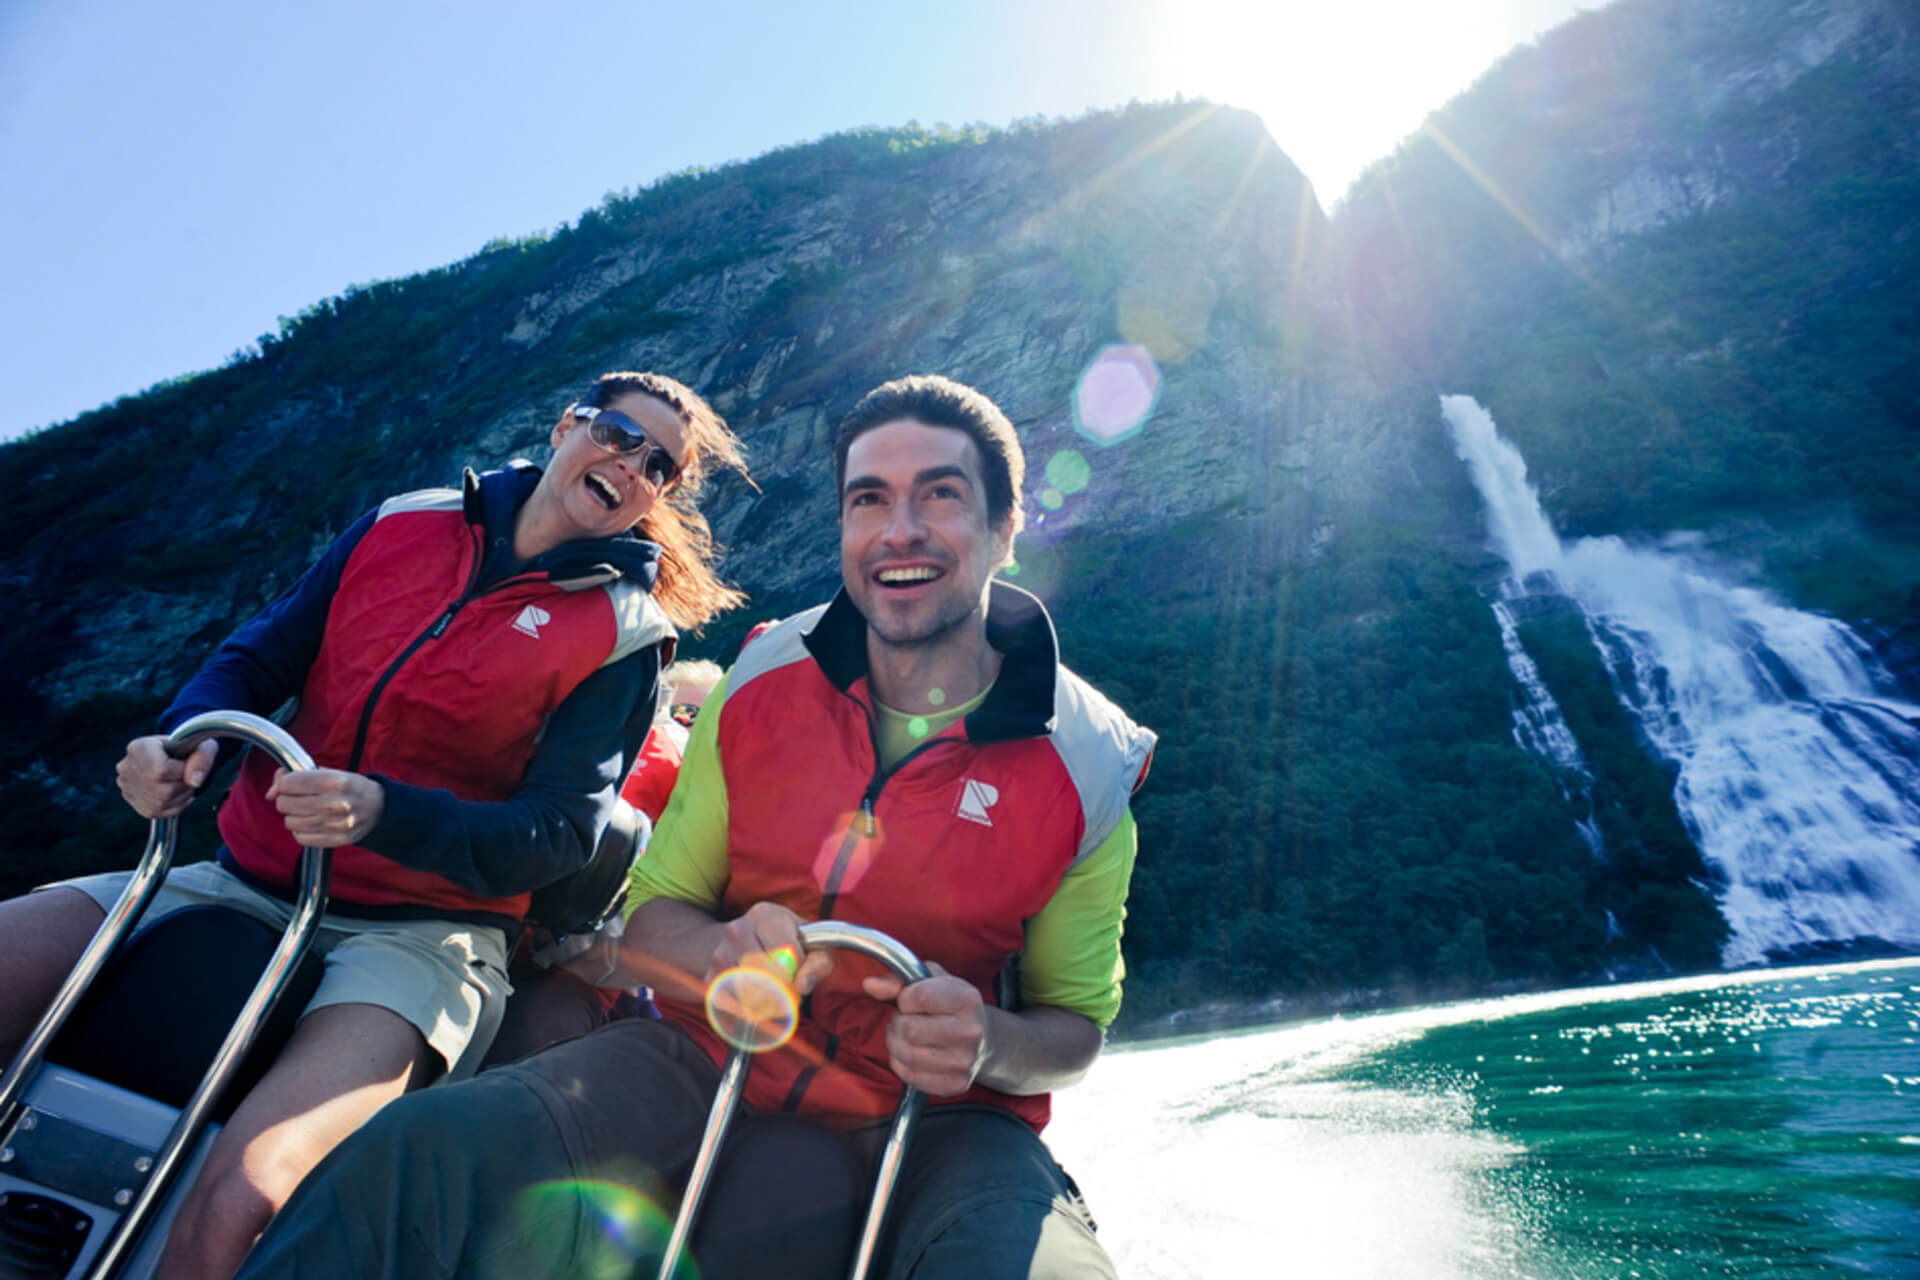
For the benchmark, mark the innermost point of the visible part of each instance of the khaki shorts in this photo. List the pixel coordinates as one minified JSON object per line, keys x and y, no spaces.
{"x":447,"y":978}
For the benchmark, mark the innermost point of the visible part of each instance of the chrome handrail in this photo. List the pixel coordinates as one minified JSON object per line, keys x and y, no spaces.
{"x":907,"y":967}
{"x":309,"y":905}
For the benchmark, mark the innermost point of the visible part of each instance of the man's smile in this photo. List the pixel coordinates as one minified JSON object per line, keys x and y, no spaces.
{"x":909,"y":576}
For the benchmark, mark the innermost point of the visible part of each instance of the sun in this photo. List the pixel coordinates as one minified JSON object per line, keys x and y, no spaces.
{"x":1338,"y":83}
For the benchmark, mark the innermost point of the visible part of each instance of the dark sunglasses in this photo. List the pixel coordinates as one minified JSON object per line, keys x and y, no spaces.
{"x":683,"y":713}
{"x":618,"y":434}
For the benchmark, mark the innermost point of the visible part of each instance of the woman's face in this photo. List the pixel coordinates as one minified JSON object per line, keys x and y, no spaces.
{"x":598,"y":493}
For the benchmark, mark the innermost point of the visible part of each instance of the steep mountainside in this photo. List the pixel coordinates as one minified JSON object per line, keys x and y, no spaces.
{"x":1671,"y":248}
{"x":1674,"y":249}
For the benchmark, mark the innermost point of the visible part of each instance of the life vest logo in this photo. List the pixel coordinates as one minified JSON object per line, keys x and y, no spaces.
{"x":975,"y":799}
{"x":531,"y":619}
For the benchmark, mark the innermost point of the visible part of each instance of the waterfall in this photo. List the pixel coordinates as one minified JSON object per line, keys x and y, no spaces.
{"x":1799,"y":771}
{"x":1540,"y":727}
{"x":1538,"y":724}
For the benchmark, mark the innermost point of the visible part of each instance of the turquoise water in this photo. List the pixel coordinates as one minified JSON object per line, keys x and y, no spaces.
{"x":1753,"y":1125}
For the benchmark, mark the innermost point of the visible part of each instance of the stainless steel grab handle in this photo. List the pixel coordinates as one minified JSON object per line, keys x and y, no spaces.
{"x":906,"y":966}
{"x":315,"y":865}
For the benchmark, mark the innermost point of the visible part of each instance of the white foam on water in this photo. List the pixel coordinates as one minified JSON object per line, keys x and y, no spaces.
{"x":1244,"y":1156}
{"x":1266,"y":1153}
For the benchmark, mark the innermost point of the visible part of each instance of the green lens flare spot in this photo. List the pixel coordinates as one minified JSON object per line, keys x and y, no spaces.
{"x":1012,"y":570}
{"x":1069,"y":471}
{"x":623,"y":1227}
{"x":1052,"y":499}
{"x":938,"y":697}
{"x":919,"y":727}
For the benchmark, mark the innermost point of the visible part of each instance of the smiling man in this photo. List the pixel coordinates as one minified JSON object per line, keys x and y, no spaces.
{"x":911,"y":756}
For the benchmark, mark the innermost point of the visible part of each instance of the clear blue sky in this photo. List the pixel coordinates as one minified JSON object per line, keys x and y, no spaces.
{"x":178,"y":174}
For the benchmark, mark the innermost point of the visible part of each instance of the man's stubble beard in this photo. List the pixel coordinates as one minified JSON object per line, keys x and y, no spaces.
{"x":938,"y":629}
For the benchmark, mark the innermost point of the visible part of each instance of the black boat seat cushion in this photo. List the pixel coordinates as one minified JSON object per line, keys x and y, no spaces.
{"x":156,"y":1017}
{"x":581,"y":902}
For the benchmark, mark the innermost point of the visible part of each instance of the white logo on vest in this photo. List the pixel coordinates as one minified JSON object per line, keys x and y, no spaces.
{"x":531,"y":619}
{"x":975,"y":799}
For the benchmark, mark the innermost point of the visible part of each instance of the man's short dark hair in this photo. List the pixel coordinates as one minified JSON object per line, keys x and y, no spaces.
{"x":934,"y":401}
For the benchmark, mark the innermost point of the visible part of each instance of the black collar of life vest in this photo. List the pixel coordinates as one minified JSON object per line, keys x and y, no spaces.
{"x":1020,"y":703}
{"x":491,"y":501}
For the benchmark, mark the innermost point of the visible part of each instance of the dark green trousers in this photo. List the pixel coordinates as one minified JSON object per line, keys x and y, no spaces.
{"x":569,"y":1163}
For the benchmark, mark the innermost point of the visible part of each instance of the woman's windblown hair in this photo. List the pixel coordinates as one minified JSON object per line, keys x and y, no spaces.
{"x":689,"y":589}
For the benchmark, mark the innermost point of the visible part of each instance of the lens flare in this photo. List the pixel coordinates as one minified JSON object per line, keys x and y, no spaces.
{"x":1116,"y":394}
{"x":918,"y":727}
{"x":752,"y":1009}
{"x":1069,"y":471}
{"x":847,"y":849}
{"x":631,"y":1229}
{"x":1012,"y":569}
{"x":1166,"y":311}
{"x":938,"y":697}
{"x":786,"y":958}
{"x":1052,"y":499}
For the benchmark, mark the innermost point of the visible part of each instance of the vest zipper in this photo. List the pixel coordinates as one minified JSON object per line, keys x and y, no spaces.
{"x":433,"y":632}
{"x":866,"y":825}
{"x":798,"y":1089}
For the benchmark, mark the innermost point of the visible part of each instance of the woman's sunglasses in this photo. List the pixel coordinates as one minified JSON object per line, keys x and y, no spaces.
{"x":618,"y":434}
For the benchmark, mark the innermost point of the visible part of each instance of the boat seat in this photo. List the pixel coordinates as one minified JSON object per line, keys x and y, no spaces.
{"x":582,"y":901}
{"x":160,"y":1010}
{"x":162,"y":1007}
{"x":551,"y":1005}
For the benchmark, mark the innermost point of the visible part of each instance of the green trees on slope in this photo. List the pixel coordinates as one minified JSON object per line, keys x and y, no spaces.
{"x":1337,"y":802}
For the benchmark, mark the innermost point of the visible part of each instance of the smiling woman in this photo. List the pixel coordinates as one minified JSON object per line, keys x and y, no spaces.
{"x":466,"y":754}
{"x":630,"y":457}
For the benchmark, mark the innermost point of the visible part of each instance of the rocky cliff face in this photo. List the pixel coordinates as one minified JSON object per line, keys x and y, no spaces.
{"x":1672,"y":247}
{"x":1636,"y":242}
{"x":784,"y":293}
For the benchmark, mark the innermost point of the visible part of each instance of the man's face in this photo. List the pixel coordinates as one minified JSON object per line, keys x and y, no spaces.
{"x":915,"y":546}
{"x":686,"y":700}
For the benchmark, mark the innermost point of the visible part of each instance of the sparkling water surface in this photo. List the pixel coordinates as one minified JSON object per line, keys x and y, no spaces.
{"x":1761,"y":1124}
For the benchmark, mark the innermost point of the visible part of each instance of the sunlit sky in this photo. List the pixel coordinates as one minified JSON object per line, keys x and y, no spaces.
{"x":178,"y":175}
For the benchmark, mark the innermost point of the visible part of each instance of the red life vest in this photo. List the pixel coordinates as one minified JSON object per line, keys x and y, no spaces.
{"x":423,"y":679}
{"x":650,"y":783}
{"x":951,"y":852}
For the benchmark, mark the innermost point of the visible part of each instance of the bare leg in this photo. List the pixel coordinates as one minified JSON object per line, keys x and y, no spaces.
{"x":41,"y":936}
{"x":343,"y":1064}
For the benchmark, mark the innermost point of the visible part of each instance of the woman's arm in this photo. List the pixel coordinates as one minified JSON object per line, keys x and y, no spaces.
{"x":266,"y":661}
{"x":257,"y":668}
{"x":549,"y":826}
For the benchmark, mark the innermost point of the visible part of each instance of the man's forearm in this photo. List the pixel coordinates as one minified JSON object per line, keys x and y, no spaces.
{"x":1037,"y":1050}
{"x":667,"y":946}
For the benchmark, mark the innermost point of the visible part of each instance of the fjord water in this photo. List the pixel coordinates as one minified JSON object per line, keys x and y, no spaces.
{"x":1798,"y":763}
{"x":1761,"y":1124}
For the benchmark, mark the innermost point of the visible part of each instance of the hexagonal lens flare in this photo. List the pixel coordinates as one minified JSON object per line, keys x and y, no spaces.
{"x":1116,"y":394}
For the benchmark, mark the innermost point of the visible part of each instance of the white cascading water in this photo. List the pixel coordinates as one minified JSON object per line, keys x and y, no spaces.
{"x":1538,"y":724}
{"x":1799,"y":772}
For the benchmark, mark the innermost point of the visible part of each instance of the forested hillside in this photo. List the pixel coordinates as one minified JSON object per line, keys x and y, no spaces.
{"x":1672,"y":249}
